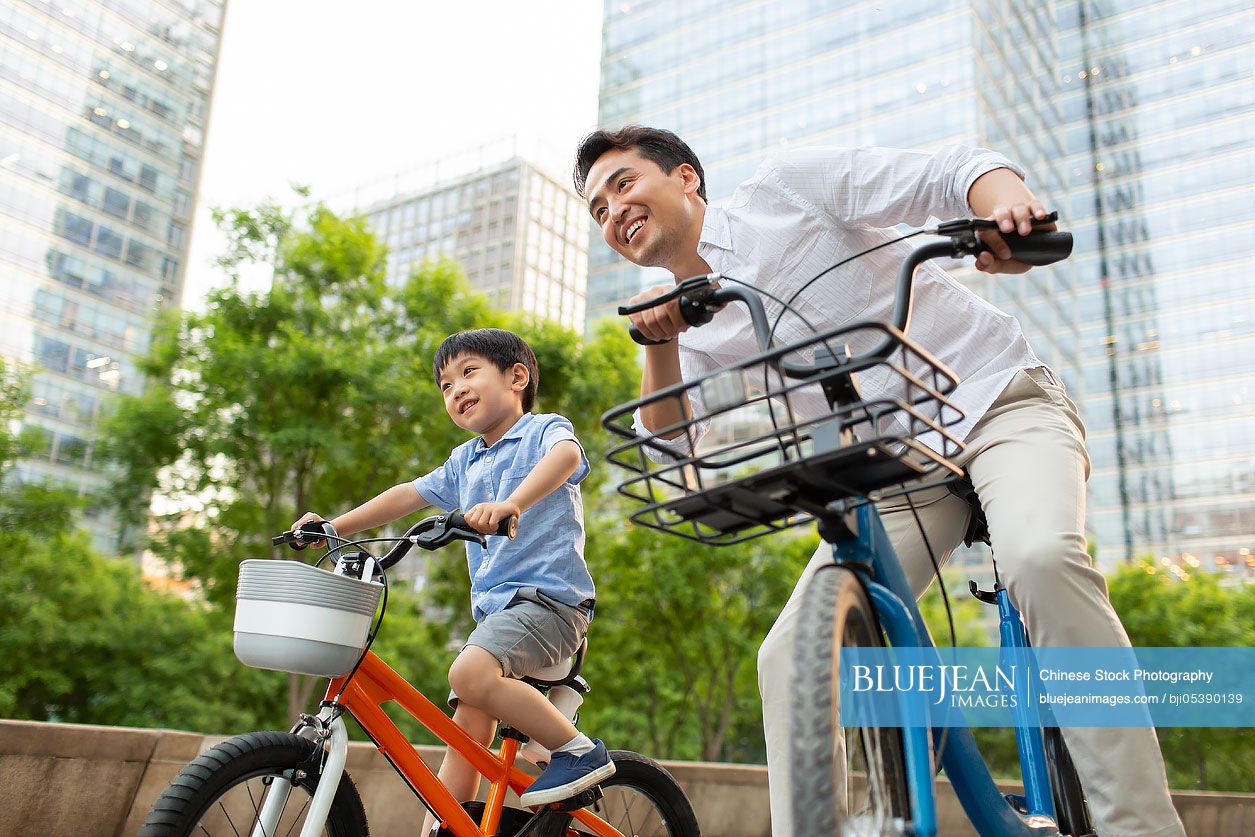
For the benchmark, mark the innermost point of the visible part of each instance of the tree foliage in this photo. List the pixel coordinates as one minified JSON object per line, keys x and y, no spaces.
{"x":87,"y":640}
{"x":673,"y":645}
{"x":314,"y":394}
{"x":1159,"y":611}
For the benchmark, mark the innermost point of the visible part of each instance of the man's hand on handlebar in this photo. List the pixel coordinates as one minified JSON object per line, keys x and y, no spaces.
{"x":663,"y":322}
{"x":486,"y":518}
{"x":1015,"y":218}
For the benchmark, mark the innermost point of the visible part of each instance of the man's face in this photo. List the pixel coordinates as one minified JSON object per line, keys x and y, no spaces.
{"x":644,"y":215}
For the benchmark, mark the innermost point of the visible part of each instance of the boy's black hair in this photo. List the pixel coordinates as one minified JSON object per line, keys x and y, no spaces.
{"x":501,"y":348}
{"x":662,"y":147}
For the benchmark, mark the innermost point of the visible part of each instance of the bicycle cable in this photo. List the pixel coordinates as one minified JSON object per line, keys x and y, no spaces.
{"x":787,"y":306}
{"x":344,"y":544}
{"x":833,"y":267}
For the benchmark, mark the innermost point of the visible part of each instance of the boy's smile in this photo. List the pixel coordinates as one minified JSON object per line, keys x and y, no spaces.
{"x":481,"y":398}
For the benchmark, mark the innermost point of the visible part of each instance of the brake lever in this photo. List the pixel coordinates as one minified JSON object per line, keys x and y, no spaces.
{"x":688,"y":286}
{"x":964,"y":225}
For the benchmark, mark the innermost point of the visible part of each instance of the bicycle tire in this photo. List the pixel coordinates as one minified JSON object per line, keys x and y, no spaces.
{"x":674,"y":815}
{"x":835,"y":614}
{"x":233,"y":763}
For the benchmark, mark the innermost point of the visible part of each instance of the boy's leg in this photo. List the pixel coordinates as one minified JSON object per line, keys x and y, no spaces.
{"x":945,"y":518}
{"x":525,"y":637}
{"x":456,"y":773}
{"x":477,"y":677}
{"x":1027,"y":461}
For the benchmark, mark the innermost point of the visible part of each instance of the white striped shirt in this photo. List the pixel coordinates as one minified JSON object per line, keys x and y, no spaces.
{"x":806,"y":209}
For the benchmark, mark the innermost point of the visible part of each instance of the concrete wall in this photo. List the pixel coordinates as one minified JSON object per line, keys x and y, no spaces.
{"x":85,"y":781}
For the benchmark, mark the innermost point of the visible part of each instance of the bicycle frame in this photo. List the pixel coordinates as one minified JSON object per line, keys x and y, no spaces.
{"x":870,"y":554}
{"x":375,"y":683}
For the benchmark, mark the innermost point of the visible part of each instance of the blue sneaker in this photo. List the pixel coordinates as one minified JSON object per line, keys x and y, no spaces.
{"x":568,"y":775}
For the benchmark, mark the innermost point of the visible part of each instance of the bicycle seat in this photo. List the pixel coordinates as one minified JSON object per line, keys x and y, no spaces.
{"x":565,"y":673}
{"x":977,"y":524}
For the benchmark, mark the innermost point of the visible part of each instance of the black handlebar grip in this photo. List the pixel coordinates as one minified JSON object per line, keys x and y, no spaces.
{"x":508,"y":528}
{"x":1040,"y":248}
{"x":642,"y":339}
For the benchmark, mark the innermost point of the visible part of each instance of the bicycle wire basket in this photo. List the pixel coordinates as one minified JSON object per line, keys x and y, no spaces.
{"x":292,"y":617}
{"x":783,"y":454}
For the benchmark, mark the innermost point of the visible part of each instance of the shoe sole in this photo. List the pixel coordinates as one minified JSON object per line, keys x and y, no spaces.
{"x":558,"y":794}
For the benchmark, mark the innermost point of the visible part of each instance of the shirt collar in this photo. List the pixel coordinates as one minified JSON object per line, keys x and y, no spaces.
{"x":478,"y":448}
{"x":716,"y":231}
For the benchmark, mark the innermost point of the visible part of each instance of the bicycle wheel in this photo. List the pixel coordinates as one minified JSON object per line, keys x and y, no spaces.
{"x":643,"y":799}
{"x":851,"y":784}
{"x":222,"y":791}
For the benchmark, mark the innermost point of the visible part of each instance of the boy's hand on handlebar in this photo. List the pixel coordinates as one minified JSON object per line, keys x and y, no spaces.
{"x":661,"y":323}
{"x":485,"y":518}
{"x":1012,"y":219}
{"x":305,"y":518}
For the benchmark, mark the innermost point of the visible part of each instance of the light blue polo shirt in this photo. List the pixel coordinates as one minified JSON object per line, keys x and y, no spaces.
{"x":548,"y":552}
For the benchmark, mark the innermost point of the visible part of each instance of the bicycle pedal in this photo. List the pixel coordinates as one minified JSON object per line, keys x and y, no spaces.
{"x":1017,"y":802}
{"x":580,"y":800}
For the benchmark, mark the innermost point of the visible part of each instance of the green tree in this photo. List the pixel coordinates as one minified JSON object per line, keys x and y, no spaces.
{"x":87,"y":640}
{"x":1159,"y":611}
{"x":673,"y":646}
{"x":314,"y":394}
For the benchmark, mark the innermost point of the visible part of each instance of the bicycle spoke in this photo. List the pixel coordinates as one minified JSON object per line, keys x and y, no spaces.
{"x":298,"y":816}
{"x":227,"y":814}
{"x":257,"y":808}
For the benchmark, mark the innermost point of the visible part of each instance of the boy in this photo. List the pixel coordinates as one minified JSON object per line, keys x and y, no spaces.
{"x":532,"y":597}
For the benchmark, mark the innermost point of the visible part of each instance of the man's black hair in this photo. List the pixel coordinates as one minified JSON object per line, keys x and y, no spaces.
{"x":499,"y":347}
{"x":662,"y":147}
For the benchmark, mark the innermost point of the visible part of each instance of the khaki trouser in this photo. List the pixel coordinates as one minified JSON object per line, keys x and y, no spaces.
{"x":1027,"y":460}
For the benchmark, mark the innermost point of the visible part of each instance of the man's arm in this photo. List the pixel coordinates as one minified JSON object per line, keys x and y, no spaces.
{"x":662,"y":369}
{"x":1002,"y":196}
{"x":553,"y":469}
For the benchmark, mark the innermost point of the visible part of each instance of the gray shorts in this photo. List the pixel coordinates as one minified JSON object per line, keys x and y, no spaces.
{"x":534,"y":631}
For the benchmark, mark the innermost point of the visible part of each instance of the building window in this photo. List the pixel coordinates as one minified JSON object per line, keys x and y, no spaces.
{"x":116,"y":203}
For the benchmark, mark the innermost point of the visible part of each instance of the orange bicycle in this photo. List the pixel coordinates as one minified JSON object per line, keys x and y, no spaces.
{"x":295,"y":617}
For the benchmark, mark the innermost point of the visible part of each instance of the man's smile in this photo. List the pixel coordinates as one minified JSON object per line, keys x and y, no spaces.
{"x":633,"y":228}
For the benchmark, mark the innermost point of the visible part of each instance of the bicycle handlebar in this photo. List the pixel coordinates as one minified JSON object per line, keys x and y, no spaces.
{"x":430,"y":533}
{"x":700,"y":297}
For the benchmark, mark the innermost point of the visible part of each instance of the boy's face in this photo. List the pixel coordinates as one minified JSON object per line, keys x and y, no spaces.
{"x":478,"y":396}
{"x":644,"y":214}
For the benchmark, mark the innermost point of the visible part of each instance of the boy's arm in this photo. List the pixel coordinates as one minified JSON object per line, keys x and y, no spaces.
{"x":553,"y":469}
{"x":394,"y":503}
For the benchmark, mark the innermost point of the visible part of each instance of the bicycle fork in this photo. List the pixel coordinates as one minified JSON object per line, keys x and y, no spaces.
{"x":333,"y":742}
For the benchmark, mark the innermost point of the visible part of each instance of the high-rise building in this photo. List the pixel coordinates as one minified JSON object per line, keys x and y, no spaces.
{"x":1148,"y":151}
{"x":520,"y":234}
{"x":1158,"y":100}
{"x":103,"y":112}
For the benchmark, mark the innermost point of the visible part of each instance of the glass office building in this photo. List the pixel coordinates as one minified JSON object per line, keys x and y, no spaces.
{"x":1159,"y":107}
{"x":739,"y":79}
{"x":520,"y":234}
{"x":103,"y":110}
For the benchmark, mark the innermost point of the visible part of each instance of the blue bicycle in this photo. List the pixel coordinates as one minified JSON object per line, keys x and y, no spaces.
{"x":774,"y":470}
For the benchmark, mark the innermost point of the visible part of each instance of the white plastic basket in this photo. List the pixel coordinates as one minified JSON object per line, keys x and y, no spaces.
{"x":292,"y":617}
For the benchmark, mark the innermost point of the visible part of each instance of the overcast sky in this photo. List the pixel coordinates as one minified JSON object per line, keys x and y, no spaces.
{"x":334,"y":95}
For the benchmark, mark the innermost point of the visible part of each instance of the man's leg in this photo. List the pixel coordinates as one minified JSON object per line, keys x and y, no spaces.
{"x":945,"y":517}
{"x":1027,"y":461}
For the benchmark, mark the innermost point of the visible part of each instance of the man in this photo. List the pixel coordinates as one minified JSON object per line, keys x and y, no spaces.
{"x":806,"y":209}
